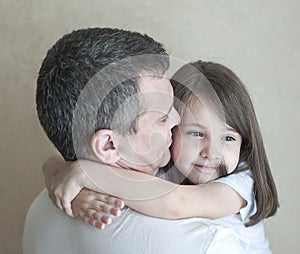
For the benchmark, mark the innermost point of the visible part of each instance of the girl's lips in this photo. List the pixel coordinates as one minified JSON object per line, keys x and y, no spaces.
{"x":204,"y":167}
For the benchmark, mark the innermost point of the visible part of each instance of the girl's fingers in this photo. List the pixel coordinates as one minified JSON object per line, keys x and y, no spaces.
{"x":113,"y":201}
{"x":104,"y":207}
{"x":58,"y":203}
{"x":115,"y":211}
{"x":94,"y":223}
{"x":68,"y":210}
{"x":102,"y":218}
{"x":95,"y":208}
{"x":92,"y":216}
{"x":97,"y":220}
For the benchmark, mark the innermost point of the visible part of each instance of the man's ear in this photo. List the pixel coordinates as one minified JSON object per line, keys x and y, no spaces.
{"x":103,"y":147}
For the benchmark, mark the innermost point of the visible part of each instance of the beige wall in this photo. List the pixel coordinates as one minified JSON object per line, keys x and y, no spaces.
{"x":258,"y":39}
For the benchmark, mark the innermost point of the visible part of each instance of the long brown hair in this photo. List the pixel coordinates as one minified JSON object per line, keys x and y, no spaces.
{"x":239,"y":113}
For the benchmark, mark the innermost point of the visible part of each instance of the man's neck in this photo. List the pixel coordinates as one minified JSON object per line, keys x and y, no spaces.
{"x":146,"y":169}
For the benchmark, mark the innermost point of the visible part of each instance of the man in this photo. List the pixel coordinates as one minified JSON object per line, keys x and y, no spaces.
{"x":101,"y":95}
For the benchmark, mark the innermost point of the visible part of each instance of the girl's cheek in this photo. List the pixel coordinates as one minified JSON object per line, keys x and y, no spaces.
{"x":178,"y":141}
{"x":176,"y":149}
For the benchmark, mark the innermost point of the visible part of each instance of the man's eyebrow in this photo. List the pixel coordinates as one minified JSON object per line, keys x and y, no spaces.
{"x":166,"y":114}
{"x":170,"y":109}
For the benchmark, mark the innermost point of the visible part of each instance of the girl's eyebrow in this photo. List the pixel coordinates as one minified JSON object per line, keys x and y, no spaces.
{"x":201,"y":126}
{"x":228,"y":128}
{"x":197,"y":125}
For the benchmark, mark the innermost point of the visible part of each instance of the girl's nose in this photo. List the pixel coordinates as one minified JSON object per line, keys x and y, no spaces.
{"x":210,"y":152}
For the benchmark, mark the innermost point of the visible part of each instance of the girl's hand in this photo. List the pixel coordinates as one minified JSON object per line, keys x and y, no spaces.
{"x":95,"y":208}
{"x":63,"y":181}
{"x":50,"y":169}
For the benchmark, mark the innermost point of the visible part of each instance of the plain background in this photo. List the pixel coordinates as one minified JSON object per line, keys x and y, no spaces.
{"x":259,"y":40}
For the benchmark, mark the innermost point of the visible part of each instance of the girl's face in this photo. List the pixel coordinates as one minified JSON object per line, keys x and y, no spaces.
{"x":202,"y":142}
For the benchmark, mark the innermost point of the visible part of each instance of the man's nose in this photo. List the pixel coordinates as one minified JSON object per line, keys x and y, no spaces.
{"x":175,"y":118}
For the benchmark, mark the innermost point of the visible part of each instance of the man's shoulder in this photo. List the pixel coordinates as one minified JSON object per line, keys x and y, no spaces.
{"x":49,"y":230}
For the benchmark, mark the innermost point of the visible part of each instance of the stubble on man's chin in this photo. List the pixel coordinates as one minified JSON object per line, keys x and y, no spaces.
{"x":153,"y":166}
{"x":145,"y":169}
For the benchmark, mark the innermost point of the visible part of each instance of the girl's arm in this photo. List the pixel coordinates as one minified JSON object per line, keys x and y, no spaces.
{"x":90,"y":206}
{"x":159,"y":198}
{"x":151,"y":195}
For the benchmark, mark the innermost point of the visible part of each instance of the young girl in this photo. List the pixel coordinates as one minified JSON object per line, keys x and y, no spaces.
{"x":217,"y":146}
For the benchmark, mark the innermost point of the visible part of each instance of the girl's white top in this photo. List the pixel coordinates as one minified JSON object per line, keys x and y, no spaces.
{"x":252,"y":239}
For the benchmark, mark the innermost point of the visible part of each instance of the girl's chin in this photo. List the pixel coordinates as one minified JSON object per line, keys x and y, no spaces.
{"x":202,"y":179}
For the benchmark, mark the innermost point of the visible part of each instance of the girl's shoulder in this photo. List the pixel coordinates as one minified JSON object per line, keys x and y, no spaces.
{"x":239,"y":180}
{"x":242,"y":182}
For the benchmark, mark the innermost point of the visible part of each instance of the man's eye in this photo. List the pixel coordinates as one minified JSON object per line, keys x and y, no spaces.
{"x":196,"y":134}
{"x":163,"y":120}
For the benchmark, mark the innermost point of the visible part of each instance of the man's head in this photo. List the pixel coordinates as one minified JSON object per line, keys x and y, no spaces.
{"x":148,"y":148}
{"x":89,"y":82}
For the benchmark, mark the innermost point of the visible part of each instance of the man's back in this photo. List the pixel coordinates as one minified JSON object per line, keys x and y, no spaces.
{"x":48,"y":230}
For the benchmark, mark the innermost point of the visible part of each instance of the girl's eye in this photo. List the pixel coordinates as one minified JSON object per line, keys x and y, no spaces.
{"x":196,"y":134}
{"x":229,"y":138}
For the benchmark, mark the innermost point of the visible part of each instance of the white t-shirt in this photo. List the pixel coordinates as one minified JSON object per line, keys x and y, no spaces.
{"x":253,"y":239}
{"x":48,"y":230}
